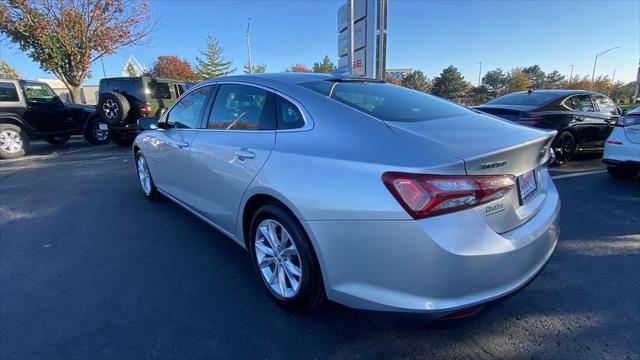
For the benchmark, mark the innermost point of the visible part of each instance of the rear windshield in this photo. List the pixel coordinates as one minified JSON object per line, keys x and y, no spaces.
{"x":524,"y":98}
{"x":388,"y":102}
{"x":130,"y":88}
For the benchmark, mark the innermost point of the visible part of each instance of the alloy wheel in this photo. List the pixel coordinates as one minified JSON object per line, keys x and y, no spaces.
{"x":110,"y":109}
{"x":278,"y":259}
{"x":10,"y":141}
{"x":143,"y":175}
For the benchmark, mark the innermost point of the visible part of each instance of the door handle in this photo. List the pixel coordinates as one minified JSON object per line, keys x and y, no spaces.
{"x":182,"y":144}
{"x":244,"y":154}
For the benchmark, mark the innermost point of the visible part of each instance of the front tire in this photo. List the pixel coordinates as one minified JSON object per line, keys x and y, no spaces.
{"x":57,"y":139}
{"x":284,"y":259}
{"x":14,"y":141}
{"x":144,"y":176}
{"x":622,"y":172}
{"x":565,"y":147}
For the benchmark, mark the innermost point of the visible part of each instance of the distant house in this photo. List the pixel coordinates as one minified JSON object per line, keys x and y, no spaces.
{"x":88,"y":93}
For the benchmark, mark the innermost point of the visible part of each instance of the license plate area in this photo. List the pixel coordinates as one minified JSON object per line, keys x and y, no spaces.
{"x":527,"y":186}
{"x":103,"y":127}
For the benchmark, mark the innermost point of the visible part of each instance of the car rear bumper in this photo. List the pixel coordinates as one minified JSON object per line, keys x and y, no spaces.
{"x":620,"y":151}
{"x":434,"y":266}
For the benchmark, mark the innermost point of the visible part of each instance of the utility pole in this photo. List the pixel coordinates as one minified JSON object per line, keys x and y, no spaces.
{"x":249,"y":46}
{"x":104,"y":73}
{"x":571,"y":74}
{"x":595,"y":62}
{"x":613,"y":77}
{"x":480,"y":74}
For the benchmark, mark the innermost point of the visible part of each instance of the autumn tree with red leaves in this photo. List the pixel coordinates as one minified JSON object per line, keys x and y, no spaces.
{"x":67,"y":36}
{"x":171,"y":66}
{"x":297,"y":68}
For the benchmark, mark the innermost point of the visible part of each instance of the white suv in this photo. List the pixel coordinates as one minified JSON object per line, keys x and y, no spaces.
{"x":622,"y":149}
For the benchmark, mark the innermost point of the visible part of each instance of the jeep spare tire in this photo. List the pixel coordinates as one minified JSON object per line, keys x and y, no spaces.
{"x":113,"y":108}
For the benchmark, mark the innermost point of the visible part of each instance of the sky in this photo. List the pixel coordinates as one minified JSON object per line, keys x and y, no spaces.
{"x":425,"y":35}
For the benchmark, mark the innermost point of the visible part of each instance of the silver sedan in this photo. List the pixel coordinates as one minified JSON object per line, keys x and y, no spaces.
{"x":371,"y":195}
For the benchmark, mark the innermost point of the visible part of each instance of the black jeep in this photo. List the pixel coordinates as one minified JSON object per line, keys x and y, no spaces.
{"x":30,"y":110}
{"x":124,"y":100}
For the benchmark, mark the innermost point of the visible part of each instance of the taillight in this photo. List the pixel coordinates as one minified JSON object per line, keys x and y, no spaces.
{"x":628,"y":120}
{"x":529,"y":119}
{"x":429,"y":195}
{"x":145,"y":109}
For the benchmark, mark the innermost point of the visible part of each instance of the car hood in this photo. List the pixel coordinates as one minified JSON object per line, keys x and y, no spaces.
{"x":480,"y":140}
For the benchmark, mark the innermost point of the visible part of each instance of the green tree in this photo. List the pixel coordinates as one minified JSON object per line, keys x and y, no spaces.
{"x":326,"y":66}
{"x":8,"y":72}
{"x":256,"y":69}
{"x":518,"y":80}
{"x":537,"y":77}
{"x":67,"y":37}
{"x":213,"y":64}
{"x":623,"y":93}
{"x":416,"y":80}
{"x":495,"y":82}
{"x":450,"y":84}
{"x":555,"y":80}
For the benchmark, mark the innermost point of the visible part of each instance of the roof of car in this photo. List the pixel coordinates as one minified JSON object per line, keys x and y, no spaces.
{"x":557,"y":91}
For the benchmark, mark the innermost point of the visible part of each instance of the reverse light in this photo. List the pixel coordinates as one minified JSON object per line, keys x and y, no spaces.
{"x":429,"y":195}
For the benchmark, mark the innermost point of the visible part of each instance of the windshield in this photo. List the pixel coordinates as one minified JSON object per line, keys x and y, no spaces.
{"x":387,"y":102}
{"x":38,"y":92}
{"x":524,"y":98}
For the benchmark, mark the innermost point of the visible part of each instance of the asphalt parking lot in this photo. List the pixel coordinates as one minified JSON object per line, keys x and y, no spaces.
{"x":90,"y":269}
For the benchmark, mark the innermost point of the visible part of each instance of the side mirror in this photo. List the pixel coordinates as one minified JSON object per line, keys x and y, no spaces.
{"x":148,"y":123}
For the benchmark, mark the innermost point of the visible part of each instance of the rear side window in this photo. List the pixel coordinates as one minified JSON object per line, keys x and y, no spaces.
{"x":160,"y":91}
{"x":8,"y":92}
{"x":388,"y":102}
{"x":606,"y":106}
{"x":524,"y":98}
{"x":581,"y":103}
{"x":288,"y":115}
{"x":242,"y":107}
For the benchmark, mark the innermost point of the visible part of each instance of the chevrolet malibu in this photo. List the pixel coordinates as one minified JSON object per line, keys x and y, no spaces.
{"x":371,"y":195}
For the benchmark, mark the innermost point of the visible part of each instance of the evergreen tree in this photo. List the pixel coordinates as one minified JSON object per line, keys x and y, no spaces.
{"x":555,"y":80}
{"x":536,"y":76}
{"x":416,"y":80}
{"x":450,"y":84}
{"x":495,"y":82}
{"x":213,"y":64}
{"x":257,"y":69}
{"x":326,"y":66}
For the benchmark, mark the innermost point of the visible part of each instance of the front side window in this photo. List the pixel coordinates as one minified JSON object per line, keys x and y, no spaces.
{"x":8,"y":92}
{"x":388,"y":102}
{"x":38,"y":92}
{"x":242,"y":107}
{"x":186,"y":113}
{"x":582,"y":103}
{"x":606,"y":106}
{"x":289,"y":117}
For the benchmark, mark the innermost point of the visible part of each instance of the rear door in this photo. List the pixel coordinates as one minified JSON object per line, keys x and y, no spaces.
{"x":607,"y":112}
{"x":169,"y":162}
{"x":586,"y":121}
{"x":237,"y":137}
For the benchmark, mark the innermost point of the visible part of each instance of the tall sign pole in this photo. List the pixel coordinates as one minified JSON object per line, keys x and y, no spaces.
{"x":249,"y":46}
{"x":362,"y":38}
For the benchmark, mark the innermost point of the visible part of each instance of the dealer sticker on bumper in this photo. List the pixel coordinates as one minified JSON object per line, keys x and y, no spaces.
{"x":527,"y":185}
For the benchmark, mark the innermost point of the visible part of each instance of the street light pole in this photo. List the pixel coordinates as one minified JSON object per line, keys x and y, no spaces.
{"x":571,"y":74}
{"x":480,"y":74}
{"x":249,"y":46}
{"x":595,"y":62}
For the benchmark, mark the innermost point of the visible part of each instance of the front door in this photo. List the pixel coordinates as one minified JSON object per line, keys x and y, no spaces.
{"x":45,"y":111}
{"x":169,"y":164}
{"x":237,"y":138}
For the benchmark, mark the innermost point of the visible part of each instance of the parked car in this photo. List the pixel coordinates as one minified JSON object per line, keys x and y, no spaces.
{"x":123,"y":100}
{"x":30,"y":110}
{"x":373,"y":195}
{"x":622,"y":150}
{"x":583,"y":119}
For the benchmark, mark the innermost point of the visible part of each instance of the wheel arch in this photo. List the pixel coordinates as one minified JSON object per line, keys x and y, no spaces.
{"x":17,"y":121}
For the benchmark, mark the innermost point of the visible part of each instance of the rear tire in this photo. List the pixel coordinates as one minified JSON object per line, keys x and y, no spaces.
{"x":14,"y":141}
{"x":113,"y":107}
{"x":121,"y":138}
{"x":565,"y":147}
{"x":57,"y":139}
{"x":622,"y":172}
{"x":290,"y":272}
{"x":93,"y":134}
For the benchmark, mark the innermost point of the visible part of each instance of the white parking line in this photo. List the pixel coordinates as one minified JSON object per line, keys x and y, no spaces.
{"x":564,"y":176}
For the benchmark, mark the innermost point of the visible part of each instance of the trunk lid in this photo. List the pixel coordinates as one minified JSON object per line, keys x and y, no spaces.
{"x":491,"y":146}
{"x":508,"y":112}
